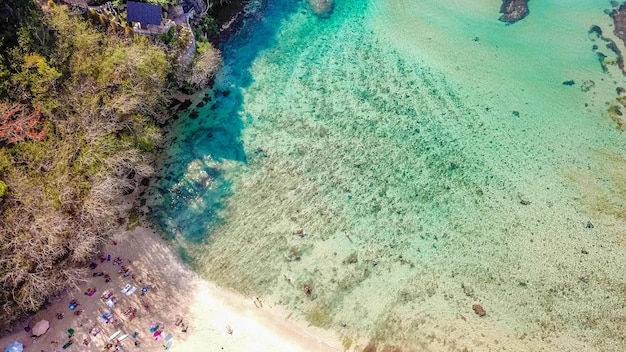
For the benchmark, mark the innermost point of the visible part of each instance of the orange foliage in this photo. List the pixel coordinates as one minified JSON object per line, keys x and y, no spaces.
{"x":17,"y":124}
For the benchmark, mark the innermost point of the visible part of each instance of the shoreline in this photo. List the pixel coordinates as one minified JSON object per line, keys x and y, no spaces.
{"x":214,"y":317}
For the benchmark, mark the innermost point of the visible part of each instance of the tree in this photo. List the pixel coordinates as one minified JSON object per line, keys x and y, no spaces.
{"x":39,"y":81}
{"x":100,"y":96}
{"x":206,"y":63}
{"x":18,"y":124}
{"x":3,"y":188}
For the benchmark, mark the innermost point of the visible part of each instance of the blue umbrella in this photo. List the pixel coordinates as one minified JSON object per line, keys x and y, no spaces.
{"x":15,"y":347}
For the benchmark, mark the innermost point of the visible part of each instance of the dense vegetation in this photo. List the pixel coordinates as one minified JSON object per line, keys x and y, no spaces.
{"x":77,"y":131}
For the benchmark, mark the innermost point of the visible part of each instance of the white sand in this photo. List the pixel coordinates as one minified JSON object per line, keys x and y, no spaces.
{"x":217,"y":319}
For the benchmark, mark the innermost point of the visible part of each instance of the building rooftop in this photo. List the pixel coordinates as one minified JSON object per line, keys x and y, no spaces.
{"x":143,"y":13}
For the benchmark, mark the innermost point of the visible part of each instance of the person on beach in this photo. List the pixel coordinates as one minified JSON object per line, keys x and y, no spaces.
{"x":157,"y":335}
{"x":73,"y":304}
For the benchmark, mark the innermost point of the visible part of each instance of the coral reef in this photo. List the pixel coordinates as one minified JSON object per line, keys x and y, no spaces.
{"x":479,"y":310}
{"x":513,"y":10}
{"x":322,"y":8}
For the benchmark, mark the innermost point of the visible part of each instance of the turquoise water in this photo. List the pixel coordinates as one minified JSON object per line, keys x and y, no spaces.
{"x":406,"y":160}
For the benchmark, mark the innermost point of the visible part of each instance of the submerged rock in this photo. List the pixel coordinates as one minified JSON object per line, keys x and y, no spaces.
{"x":479,"y":310}
{"x":587,"y":85}
{"x":619,"y":19}
{"x":619,"y":22}
{"x":513,"y":10}
{"x":322,"y":8}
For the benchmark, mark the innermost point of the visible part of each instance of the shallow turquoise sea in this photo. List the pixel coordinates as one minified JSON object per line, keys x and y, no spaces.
{"x":407,"y":160}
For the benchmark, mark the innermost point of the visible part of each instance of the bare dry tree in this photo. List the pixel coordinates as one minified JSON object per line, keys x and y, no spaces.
{"x":206,"y":63}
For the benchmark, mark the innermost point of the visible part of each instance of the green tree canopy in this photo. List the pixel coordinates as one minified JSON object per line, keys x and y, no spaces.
{"x":99,"y":96}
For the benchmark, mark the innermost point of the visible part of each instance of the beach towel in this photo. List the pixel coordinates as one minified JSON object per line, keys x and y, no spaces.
{"x":106,"y":295}
{"x":114,"y":335}
{"x":107,"y":316}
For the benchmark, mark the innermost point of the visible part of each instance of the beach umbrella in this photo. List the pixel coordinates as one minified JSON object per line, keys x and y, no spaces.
{"x":41,"y":327}
{"x":15,"y":347}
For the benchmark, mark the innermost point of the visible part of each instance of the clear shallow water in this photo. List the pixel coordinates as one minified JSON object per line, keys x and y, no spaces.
{"x":412,"y":130}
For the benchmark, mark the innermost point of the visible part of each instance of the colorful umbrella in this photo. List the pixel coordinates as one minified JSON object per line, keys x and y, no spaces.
{"x":15,"y":347}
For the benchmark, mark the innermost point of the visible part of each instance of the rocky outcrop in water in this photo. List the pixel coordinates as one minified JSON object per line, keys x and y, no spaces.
{"x":513,"y":10}
{"x":619,"y":22}
{"x":479,"y":310}
{"x":322,"y":8}
{"x":610,"y":44}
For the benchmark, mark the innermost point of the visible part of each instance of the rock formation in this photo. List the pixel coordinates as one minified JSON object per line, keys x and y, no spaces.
{"x":619,"y":22}
{"x":322,"y":8}
{"x":513,"y":10}
{"x":479,"y":310}
{"x":610,"y":44}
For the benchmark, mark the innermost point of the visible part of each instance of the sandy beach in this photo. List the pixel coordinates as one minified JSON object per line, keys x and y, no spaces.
{"x":192,"y":314}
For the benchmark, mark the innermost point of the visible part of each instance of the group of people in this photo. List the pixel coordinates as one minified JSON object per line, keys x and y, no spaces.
{"x":107,"y":277}
{"x":156,"y":330}
{"x":131,"y":312}
{"x":125,"y":271}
